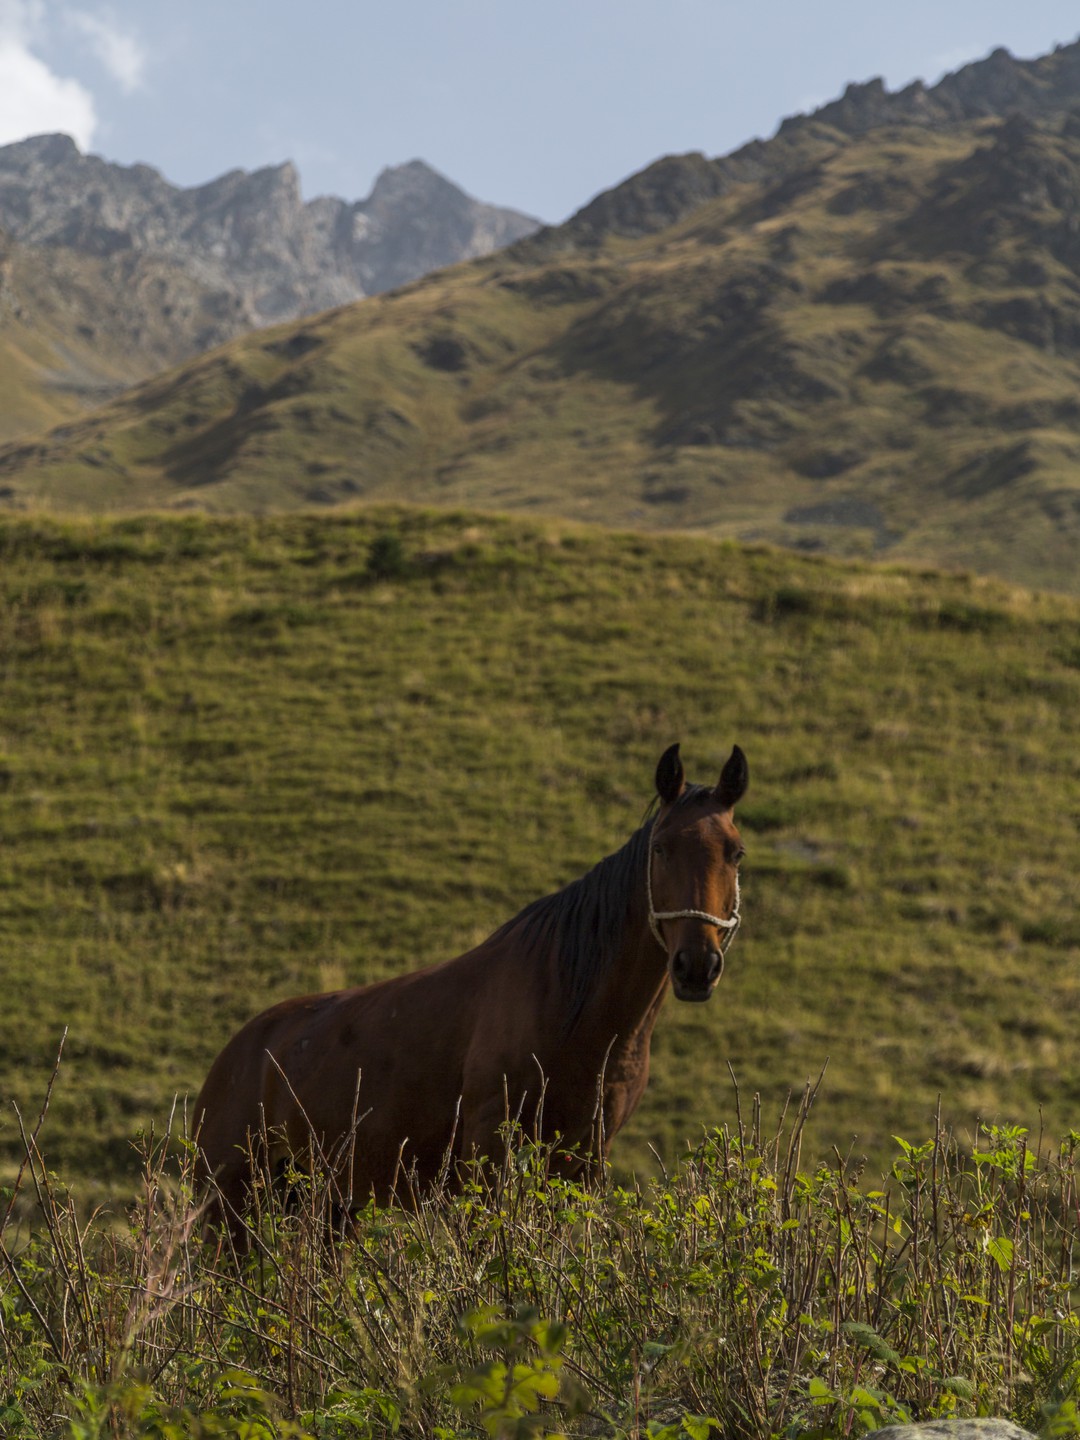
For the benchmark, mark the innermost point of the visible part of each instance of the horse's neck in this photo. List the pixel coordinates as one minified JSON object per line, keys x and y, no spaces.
{"x":623,"y":1008}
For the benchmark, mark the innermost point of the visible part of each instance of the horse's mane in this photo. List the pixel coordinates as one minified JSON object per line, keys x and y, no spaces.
{"x":585,"y":920}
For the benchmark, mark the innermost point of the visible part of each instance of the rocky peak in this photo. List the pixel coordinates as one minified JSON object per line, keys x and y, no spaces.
{"x":410,"y":181}
{"x":999,"y":85}
{"x":658,"y":196}
{"x":415,"y":220}
{"x":250,"y":236}
{"x":994,"y":86}
{"x":51,"y":150}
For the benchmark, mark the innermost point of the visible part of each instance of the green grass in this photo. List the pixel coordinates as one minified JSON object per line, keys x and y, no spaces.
{"x":234,"y":766}
{"x":749,"y":1295}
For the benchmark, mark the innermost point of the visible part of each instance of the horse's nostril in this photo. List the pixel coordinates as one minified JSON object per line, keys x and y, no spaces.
{"x":716,"y":964}
{"x":680,"y":966}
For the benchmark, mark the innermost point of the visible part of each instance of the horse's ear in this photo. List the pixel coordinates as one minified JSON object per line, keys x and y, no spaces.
{"x":670,"y":779}
{"x":734,"y":779}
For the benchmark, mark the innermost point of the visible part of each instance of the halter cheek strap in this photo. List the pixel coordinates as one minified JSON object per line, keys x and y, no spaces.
{"x":655,"y":916}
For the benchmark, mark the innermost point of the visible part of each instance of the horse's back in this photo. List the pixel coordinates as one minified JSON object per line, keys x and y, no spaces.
{"x":378,"y":1069}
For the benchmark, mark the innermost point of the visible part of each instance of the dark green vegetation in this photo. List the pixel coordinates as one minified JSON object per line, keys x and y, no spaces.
{"x":745,"y":1297}
{"x":242,"y":759}
{"x":867,"y":344}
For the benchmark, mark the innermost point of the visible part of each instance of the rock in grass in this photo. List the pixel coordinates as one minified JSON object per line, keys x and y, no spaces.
{"x":955,"y":1430}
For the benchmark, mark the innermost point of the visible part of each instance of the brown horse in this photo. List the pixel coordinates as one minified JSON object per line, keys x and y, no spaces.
{"x":550,"y":1018}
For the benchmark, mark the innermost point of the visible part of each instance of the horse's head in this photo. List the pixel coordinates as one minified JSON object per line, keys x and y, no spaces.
{"x":693,"y":872}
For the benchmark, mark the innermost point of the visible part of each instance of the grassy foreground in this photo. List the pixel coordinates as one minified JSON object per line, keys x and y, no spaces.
{"x":241,"y":759}
{"x":744,"y":1297}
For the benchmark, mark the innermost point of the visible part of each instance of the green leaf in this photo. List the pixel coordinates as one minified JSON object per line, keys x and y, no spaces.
{"x":960,"y":1386}
{"x":868,"y":1337}
{"x":819,"y":1392}
{"x":1001,"y":1251}
{"x":700,"y":1427}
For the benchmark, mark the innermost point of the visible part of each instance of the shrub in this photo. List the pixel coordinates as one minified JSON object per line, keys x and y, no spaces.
{"x":386,"y":557}
{"x":742,"y":1294}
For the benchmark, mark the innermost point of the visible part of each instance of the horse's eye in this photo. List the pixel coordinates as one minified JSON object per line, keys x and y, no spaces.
{"x":660,"y":851}
{"x":739,"y":856}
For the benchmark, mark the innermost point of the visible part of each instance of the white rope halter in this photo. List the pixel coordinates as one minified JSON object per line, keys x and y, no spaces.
{"x":655,"y":916}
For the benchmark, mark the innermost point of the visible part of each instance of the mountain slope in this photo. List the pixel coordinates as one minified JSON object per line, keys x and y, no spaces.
{"x":77,"y":329}
{"x":879,"y":353}
{"x":157,"y":274}
{"x":870,"y":344}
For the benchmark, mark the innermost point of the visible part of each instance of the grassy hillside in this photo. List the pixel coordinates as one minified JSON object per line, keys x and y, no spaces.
{"x":236,"y":764}
{"x":875,"y":353}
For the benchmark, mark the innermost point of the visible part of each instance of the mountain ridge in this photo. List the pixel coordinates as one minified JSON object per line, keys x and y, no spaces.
{"x":870,"y":345}
{"x":983,"y":89}
{"x":157,"y":273}
{"x":321,"y":252}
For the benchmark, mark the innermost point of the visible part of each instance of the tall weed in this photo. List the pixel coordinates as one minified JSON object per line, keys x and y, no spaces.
{"x":742,"y":1294}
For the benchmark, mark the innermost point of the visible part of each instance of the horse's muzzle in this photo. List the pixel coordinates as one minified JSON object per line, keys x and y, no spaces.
{"x":694,"y":976}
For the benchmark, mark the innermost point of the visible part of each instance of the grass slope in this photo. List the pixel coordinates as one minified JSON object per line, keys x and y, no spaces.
{"x":875,"y":353}
{"x":234,"y":766}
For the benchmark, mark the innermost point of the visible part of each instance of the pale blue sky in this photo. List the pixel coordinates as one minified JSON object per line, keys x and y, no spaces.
{"x":533,"y":105}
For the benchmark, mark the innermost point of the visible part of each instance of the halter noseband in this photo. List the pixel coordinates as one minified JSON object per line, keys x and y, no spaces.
{"x":655,"y":916}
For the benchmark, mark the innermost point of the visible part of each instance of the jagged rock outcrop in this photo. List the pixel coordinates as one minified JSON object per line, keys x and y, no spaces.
{"x":673,"y":187}
{"x":250,"y":236}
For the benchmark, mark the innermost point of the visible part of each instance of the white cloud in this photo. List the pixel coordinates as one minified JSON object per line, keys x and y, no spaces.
{"x":33,"y":99}
{"x":117,"y":49}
